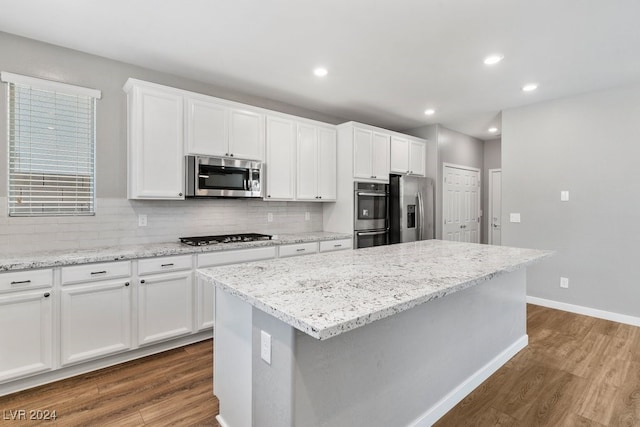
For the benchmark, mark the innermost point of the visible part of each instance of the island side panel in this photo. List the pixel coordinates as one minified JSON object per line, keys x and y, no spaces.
{"x":232,"y":359}
{"x":409,"y":369}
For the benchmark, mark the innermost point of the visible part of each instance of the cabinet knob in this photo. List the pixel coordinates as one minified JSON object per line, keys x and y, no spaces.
{"x":142,"y":281}
{"x":231,"y":154}
{"x":126,"y":284}
{"x":180,"y":194}
{"x":47,"y":294}
{"x":319,"y":197}
{"x":268,"y":195}
{"x":226,"y":154}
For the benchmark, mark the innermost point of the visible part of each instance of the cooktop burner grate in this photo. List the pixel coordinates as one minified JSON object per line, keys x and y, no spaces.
{"x":223,"y":238}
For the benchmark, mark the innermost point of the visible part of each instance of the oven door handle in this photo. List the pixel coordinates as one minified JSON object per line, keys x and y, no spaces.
{"x":372,"y":194}
{"x":371,"y":233}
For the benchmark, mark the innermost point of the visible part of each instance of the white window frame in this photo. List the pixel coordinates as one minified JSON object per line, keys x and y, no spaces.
{"x":35,"y":208}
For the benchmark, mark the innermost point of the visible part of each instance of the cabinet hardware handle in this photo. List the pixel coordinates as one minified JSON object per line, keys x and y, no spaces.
{"x":319,"y":197}
{"x":268,"y":195}
{"x":337,"y":246}
{"x":142,"y":281}
{"x":300,"y":250}
{"x":93,"y":273}
{"x":167,"y":265}
{"x":180,"y":194}
{"x":226,"y":154}
{"x":21,"y":282}
{"x":126,"y":284}
{"x":231,"y":154}
{"x":47,"y":294}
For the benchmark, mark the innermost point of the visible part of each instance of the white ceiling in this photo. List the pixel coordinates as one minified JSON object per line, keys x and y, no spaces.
{"x":388,"y":60}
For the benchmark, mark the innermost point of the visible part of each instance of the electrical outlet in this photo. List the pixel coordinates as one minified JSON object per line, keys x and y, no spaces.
{"x":564,"y":282}
{"x":142,"y":220}
{"x":265,"y":347}
{"x":269,"y":217}
{"x":514,"y":217}
{"x":564,"y":196}
{"x":307,"y":216}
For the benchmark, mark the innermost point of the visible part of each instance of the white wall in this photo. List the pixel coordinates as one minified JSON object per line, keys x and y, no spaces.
{"x":589,"y":145}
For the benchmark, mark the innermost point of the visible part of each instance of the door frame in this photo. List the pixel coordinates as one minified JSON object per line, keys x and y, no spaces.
{"x":490,"y":204}
{"x":468,"y":168}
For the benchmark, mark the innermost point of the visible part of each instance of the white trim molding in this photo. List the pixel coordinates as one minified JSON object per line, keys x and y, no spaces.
{"x":587,"y":311}
{"x":50,"y":85}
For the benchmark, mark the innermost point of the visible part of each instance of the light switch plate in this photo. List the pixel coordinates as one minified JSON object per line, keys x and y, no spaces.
{"x":514,"y":217}
{"x":564,"y":282}
{"x":269,"y":217}
{"x":142,"y":220}
{"x":564,"y":196}
{"x":265,"y":347}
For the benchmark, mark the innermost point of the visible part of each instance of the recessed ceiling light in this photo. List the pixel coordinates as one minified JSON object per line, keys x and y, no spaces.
{"x":320,"y":72}
{"x":529,"y":87}
{"x":429,"y":112}
{"x":493,"y":59}
{"x":493,"y":129}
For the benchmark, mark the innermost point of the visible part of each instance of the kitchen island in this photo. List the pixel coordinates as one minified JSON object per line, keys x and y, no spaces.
{"x":390,"y":335}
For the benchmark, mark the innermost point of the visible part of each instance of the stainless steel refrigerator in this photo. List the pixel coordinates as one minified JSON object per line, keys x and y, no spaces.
{"x":411,"y":208}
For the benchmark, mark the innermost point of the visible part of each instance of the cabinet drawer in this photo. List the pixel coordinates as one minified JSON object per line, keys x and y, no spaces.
{"x":335,"y":245}
{"x":26,"y":279}
{"x":160,"y":265}
{"x":234,"y":257}
{"x":94,"y":272}
{"x":298,"y":249}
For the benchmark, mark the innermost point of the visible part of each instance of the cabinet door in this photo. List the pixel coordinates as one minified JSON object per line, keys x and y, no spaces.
{"x":380,"y":156}
{"x":95,"y":320}
{"x":204,"y":304}
{"x":164,"y":306}
{"x":362,"y":152}
{"x":280,"y":164}
{"x":26,"y":330}
{"x":417,"y":158}
{"x":246,"y":134}
{"x":207,"y":132}
{"x":399,"y":155}
{"x":156,"y":161}
{"x":307,"y":176}
{"x":327,"y":164}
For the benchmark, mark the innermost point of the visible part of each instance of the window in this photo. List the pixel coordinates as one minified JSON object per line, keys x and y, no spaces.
{"x":51,"y":147}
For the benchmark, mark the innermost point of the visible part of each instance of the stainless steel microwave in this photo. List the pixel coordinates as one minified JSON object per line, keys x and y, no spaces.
{"x":222,"y":177}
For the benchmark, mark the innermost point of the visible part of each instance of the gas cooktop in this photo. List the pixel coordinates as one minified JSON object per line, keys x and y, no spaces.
{"x":223,"y":238}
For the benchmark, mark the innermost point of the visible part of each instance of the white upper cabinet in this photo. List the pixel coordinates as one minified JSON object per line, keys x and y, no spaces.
{"x":217,"y":129}
{"x":370,"y":155}
{"x":317,"y":162}
{"x":155,"y":142}
{"x":281,"y":158}
{"x":407,"y":156}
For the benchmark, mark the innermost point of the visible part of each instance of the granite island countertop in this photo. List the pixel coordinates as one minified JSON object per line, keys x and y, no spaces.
{"x":23,"y":261}
{"x":327,"y":294}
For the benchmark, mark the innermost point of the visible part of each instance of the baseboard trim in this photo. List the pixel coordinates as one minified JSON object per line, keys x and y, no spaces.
{"x":221,"y":421}
{"x":587,"y":311}
{"x":460,"y":392}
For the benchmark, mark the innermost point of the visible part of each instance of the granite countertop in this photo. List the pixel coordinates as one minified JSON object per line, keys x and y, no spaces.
{"x":9,"y":262}
{"x":332,"y":293}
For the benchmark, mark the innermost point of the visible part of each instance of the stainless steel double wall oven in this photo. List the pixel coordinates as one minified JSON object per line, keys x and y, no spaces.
{"x":371,"y":219}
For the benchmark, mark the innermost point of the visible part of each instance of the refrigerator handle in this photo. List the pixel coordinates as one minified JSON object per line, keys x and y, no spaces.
{"x":420,"y":217}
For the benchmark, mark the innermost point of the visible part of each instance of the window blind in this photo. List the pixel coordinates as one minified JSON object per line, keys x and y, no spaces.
{"x":51,"y":148}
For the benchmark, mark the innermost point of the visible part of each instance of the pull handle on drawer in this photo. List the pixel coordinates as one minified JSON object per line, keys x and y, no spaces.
{"x":47,"y":294}
{"x":21,"y":282}
{"x":300,"y":250}
{"x":337,"y":246}
{"x":95,"y":273}
{"x":167,"y":265}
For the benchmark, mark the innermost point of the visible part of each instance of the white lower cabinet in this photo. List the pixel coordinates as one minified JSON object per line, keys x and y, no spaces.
{"x":95,"y":320}
{"x":25,"y":334}
{"x":204,"y":304}
{"x":165,"y":306}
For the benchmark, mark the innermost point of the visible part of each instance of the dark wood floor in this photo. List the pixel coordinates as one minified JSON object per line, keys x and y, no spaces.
{"x":576,"y":371}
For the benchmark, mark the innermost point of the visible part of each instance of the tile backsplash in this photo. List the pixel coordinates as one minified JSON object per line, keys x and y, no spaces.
{"x":116,"y":223}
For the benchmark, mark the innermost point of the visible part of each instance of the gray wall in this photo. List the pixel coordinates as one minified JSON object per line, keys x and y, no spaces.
{"x":590,"y":146}
{"x":115,"y":220}
{"x":452,"y":147}
{"x":36,"y":59}
{"x":492,"y":160}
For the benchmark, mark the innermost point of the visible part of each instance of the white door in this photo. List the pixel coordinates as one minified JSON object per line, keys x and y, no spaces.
{"x":207,"y":132}
{"x":165,"y":306}
{"x":461,"y":204}
{"x":495,"y":206}
{"x":95,"y":321}
{"x":246,"y":135}
{"x":281,"y":149}
{"x":327,"y":164}
{"x":26,"y":320}
{"x":307,"y":162}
